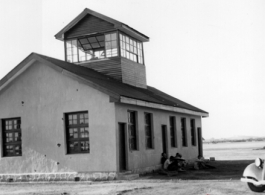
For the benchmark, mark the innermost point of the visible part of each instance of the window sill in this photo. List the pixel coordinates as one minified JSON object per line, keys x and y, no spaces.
{"x":78,"y":153}
{"x":11,"y":156}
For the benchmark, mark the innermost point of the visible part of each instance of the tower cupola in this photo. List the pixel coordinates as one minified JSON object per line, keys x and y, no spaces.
{"x":106,"y":45}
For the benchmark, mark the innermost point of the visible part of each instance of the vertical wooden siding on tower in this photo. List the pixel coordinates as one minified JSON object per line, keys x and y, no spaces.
{"x":110,"y":67}
{"x":89,"y":24}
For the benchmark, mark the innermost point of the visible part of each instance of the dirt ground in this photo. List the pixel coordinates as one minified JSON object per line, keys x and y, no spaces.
{"x":223,"y":180}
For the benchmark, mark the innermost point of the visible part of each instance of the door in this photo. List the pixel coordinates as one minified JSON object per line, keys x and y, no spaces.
{"x":199,"y":141}
{"x":122,"y":146}
{"x":164,"y":138}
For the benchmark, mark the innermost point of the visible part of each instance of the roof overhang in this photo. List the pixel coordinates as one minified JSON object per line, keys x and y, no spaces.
{"x":127,"y":100}
{"x":130,"y":31}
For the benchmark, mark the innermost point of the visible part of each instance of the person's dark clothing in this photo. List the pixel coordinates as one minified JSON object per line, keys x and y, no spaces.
{"x":163,"y":159}
{"x":173,"y":166}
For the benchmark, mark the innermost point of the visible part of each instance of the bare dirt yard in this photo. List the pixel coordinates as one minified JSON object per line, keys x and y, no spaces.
{"x":223,"y":180}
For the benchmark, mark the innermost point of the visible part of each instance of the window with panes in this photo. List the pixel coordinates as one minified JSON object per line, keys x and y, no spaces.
{"x":12,"y":138}
{"x":77,"y":132}
{"x":92,"y":47}
{"x":131,"y":49}
{"x":193,"y":134}
{"x":172,"y":126}
{"x":148,"y":130}
{"x":183,"y":132}
{"x":132,"y":130}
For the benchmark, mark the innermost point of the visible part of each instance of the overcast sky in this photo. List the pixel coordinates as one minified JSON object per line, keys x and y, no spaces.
{"x":209,"y":53}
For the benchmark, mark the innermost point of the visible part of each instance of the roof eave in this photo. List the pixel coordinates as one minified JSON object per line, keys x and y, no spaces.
{"x":132,"y":32}
{"x":132,"y":101}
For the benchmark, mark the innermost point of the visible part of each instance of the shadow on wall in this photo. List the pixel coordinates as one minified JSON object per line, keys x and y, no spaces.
{"x":30,"y":162}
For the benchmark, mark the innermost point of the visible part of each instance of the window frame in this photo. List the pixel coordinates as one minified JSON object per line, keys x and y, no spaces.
{"x":12,"y":131}
{"x":193,"y":132}
{"x":151,"y":129}
{"x":184,"y":132}
{"x":130,"y":52}
{"x":173,"y":132}
{"x":88,"y":36}
{"x":77,"y":126}
{"x":136,"y":142}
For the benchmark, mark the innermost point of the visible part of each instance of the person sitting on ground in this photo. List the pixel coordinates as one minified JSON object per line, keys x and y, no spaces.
{"x":163,"y":158}
{"x":182,"y":162}
{"x":200,"y":163}
{"x":170,"y":164}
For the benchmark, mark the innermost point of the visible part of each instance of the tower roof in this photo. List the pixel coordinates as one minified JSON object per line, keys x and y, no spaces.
{"x":117,"y":25}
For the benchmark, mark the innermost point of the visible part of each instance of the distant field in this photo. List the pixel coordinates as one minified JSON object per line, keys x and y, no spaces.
{"x":234,"y":151}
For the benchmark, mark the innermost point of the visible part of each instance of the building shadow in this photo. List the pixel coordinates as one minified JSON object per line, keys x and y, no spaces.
{"x":224,"y":170}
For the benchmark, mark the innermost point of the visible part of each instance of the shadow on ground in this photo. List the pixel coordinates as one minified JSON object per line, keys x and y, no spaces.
{"x":225,"y":170}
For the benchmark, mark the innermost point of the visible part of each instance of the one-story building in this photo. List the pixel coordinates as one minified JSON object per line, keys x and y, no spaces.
{"x":93,"y":112}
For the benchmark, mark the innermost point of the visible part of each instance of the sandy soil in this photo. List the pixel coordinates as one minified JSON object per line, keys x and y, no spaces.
{"x":141,"y":187}
{"x":223,"y":180}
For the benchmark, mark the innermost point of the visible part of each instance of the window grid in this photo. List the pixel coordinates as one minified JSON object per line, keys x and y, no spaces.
{"x":77,"y":130}
{"x":132,"y":130}
{"x":148,"y":131}
{"x":71,"y":51}
{"x":183,"y":131}
{"x":12,"y":141}
{"x":131,"y":49}
{"x":172,"y":120}
{"x":111,"y":45}
{"x":90,"y":48}
{"x":192,"y":129}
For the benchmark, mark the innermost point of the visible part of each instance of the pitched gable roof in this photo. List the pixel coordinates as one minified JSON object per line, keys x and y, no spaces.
{"x":117,"y":25}
{"x":122,"y":92}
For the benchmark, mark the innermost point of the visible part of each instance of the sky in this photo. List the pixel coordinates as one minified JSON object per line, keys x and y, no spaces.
{"x":208,"y":53}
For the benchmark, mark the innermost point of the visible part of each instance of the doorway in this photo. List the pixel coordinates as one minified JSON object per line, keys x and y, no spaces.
{"x":122,"y":147}
{"x":199,"y":130}
{"x":164,"y":139}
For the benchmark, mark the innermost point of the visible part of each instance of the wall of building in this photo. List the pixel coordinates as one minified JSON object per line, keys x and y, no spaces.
{"x":143,"y":157}
{"x":47,"y":95}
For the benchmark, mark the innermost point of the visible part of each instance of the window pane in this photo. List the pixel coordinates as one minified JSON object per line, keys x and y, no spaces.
{"x":113,"y":44}
{"x":83,"y":41}
{"x":100,"y":38}
{"x":131,"y":56}
{"x":127,"y":47}
{"x":107,"y":37}
{"x":87,"y":47}
{"x":131,"y":48}
{"x":68,"y":44}
{"x":134,"y":58}
{"x":102,"y":44}
{"x":127,"y":55}
{"x":108,"y":45}
{"x":92,"y":40}
{"x":74,"y":58}
{"x":127,"y":39}
{"x":73,"y":147}
{"x":84,"y":145}
{"x":135,"y":50}
{"x":95,"y":45}
{"x":113,"y":36}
